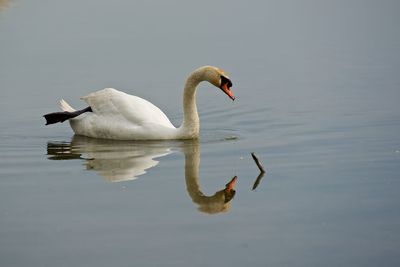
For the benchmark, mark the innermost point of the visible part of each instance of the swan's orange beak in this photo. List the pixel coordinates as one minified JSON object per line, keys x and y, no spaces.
{"x":227,"y":91}
{"x":229,"y":190}
{"x":231,"y":184}
{"x":226,"y":85}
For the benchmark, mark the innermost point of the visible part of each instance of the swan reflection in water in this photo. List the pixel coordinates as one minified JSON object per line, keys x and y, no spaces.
{"x":114,"y":160}
{"x":126,"y":160}
{"x":4,"y":4}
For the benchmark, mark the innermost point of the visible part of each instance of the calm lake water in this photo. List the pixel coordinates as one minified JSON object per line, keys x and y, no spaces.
{"x":318,"y":96}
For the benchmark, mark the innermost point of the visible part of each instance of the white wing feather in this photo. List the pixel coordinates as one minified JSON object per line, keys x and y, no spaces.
{"x":65,"y":106}
{"x":113,"y":103}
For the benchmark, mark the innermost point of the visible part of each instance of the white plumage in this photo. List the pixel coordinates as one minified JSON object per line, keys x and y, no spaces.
{"x":117,"y":115}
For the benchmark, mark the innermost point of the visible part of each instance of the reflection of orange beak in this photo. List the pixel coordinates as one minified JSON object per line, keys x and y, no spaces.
{"x":231,"y":184}
{"x":227,"y":91}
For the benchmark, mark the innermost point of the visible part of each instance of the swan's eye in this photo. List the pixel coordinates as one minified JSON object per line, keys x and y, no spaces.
{"x":226,"y":81}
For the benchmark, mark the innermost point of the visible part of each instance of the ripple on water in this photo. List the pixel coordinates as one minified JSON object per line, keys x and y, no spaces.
{"x":218,"y":135}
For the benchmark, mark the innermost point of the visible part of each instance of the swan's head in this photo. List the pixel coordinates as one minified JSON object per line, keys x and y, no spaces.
{"x":220,"y":79}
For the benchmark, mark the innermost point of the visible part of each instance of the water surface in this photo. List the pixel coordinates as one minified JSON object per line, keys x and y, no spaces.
{"x":317,"y":89}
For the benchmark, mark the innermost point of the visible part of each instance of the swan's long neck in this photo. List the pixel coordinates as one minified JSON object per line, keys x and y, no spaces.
{"x":191,"y":123}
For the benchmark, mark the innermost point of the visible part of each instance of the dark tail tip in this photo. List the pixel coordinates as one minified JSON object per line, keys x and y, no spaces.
{"x":55,"y":117}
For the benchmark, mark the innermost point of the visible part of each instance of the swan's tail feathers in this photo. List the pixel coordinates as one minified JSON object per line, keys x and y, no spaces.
{"x":65,"y":106}
{"x":55,"y":117}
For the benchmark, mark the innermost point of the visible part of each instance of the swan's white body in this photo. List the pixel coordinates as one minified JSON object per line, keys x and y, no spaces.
{"x":120,"y":116}
{"x":117,"y":115}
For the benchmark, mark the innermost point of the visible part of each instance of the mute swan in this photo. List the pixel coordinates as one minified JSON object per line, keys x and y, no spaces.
{"x":113,"y":114}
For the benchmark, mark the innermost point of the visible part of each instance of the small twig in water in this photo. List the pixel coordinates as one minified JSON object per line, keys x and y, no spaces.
{"x":258,"y":180}
{"x":258,"y":163}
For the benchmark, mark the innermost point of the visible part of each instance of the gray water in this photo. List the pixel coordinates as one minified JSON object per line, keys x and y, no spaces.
{"x":318,"y":89}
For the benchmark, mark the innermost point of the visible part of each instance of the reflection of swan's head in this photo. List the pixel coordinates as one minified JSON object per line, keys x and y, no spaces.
{"x":220,"y":201}
{"x":216,"y":77}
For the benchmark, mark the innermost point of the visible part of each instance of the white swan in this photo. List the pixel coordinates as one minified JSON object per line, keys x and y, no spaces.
{"x":113,"y":114}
